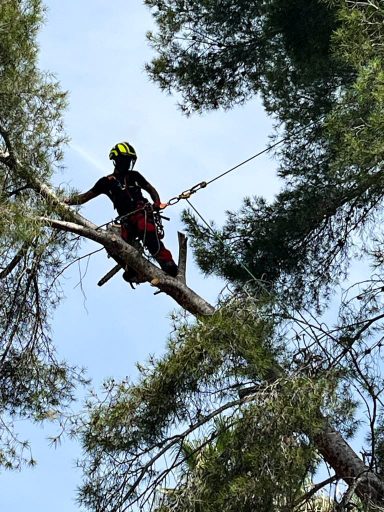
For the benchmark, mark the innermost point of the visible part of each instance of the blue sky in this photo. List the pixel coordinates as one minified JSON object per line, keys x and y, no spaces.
{"x":97,"y":50}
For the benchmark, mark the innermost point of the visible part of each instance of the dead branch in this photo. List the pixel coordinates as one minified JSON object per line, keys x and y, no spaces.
{"x":182,"y":256}
{"x":128,"y":255}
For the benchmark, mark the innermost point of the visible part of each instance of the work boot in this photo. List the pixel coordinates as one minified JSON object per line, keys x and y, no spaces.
{"x":169,"y":267}
{"x":131,"y":276}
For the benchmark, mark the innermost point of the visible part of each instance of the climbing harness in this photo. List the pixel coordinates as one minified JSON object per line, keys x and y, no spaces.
{"x":136,"y":242}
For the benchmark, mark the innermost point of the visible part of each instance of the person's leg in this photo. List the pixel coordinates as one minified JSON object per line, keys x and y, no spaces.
{"x":128,"y":234}
{"x":165,"y":260}
{"x":155,"y":246}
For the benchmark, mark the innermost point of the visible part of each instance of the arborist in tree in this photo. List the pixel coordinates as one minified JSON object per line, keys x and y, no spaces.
{"x":124,"y":188}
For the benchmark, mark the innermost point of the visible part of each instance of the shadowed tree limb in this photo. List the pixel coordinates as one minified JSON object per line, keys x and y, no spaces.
{"x":349,"y":467}
{"x":128,"y":255}
{"x":343,"y":460}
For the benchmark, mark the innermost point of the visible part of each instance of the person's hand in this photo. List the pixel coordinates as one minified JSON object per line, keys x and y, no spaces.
{"x":157,"y":205}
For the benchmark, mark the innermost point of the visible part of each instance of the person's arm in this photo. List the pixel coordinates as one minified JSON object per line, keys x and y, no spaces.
{"x":154,"y":194}
{"x":81,"y":198}
{"x":97,"y":189}
{"x":145,"y":185}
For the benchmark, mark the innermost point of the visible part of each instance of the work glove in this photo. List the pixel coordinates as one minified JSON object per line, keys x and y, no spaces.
{"x":159,"y":206}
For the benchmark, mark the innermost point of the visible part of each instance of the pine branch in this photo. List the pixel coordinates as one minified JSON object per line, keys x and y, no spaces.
{"x":129,"y":256}
{"x":15,"y":261}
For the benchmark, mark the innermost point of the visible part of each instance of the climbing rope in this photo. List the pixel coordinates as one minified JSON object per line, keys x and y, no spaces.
{"x":119,"y":218}
{"x":190,"y":191}
{"x":203,"y":184}
{"x":187,"y":193}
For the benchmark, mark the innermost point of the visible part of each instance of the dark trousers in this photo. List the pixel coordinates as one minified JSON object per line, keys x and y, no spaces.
{"x":142,"y":225}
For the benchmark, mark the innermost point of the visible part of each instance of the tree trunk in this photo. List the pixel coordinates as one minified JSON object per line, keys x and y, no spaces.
{"x":349,"y":467}
{"x":330,"y":444}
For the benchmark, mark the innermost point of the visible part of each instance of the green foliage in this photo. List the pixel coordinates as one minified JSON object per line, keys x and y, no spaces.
{"x":331,"y":165}
{"x":34,"y":384}
{"x":318,"y":66}
{"x":327,"y":91}
{"x":30,"y":102}
{"x":260,"y":444}
{"x":300,"y":243}
{"x":217,"y":54}
{"x":236,"y":414}
{"x":225,"y":386}
{"x":217,"y":352}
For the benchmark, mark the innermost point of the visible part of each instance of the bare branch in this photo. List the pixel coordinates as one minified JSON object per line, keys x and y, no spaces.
{"x":316,"y":488}
{"x":125,"y":255}
{"x":182,"y":264}
{"x":15,"y":261}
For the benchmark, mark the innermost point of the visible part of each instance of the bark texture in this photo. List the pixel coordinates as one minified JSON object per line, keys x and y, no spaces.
{"x":330,"y":444}
{"x":349,"y":467}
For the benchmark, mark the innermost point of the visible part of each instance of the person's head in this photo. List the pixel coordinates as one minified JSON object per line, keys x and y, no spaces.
{"x":123,"y":156}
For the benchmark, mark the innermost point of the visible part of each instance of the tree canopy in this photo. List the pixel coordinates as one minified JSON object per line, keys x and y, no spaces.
{"x":34,"y":383}
{"x":252,"y":399}
{"x":330,"y":161}
{"x":248,"y":404}
{"x":40,"y":236}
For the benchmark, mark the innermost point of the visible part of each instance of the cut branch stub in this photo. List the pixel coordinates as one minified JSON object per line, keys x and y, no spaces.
{"x":182,"y":256}
{"x":126,"y":255}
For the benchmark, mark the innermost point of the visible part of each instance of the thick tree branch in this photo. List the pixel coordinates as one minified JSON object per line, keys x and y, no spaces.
{"x":127,"y":255}
{"x":330,"y":444}
{"x":349,"y":467}
{"x":66,"y":212}
{"x":123,"y":253}
{"x":343,"y":459}
{"x":33,"y":182}
{"x":316,"y":488}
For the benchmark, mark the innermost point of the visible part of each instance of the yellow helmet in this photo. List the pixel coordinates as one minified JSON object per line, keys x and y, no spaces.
{"x":123,"y":150}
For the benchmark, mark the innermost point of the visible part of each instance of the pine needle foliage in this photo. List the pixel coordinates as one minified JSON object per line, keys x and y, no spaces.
{"x":224,"y":389}
{"x":245,"y":405}
{"x":34,"y":384}
{"x":331,"y":164}
{"x":217,"y":54}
